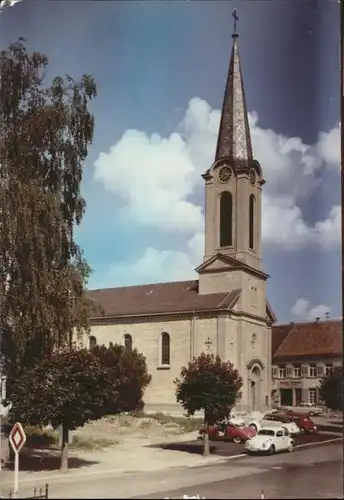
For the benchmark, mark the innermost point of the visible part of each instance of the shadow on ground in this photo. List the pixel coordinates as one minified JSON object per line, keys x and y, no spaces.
{"x":228,"y":448}
{"x":332,"y":427}
{"x":48,"y":461}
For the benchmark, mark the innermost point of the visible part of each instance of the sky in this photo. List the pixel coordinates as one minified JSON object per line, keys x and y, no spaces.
{"x":160,"y":69}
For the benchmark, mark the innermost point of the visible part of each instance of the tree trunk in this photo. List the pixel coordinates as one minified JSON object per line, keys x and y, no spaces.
{"x":64,"y":450}
{"x":206,"y":448}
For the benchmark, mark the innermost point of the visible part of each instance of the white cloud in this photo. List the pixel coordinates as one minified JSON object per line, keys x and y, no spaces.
{"x":7,"y":3}
{"x":303,"y":310}
{"x":329,"y":147}
{"x":156,"y":178}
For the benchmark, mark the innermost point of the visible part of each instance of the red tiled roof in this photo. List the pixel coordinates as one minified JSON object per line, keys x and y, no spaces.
{"x":308,"y":339}
{"x":181,"y":296}
{"x":279,"y":333}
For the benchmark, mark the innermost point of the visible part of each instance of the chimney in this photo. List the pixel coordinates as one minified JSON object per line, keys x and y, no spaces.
{"x":317,"y":320}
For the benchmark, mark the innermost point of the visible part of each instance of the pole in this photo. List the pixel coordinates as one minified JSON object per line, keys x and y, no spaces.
{"x":16,"y":474}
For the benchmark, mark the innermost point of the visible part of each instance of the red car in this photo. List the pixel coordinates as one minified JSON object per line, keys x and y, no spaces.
{"x":235,"y":433}
{"x":304,"y":422}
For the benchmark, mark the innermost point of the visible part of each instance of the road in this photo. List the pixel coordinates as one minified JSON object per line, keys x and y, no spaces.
{"x":309,"y":481}
{"x":309,"y":472}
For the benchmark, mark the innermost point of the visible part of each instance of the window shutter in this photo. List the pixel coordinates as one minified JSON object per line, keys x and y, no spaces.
{"x":304,"y":371}
{"x":274,"y":372}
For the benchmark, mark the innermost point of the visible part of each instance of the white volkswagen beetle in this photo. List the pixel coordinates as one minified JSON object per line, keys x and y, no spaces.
{"x":270,"y":439}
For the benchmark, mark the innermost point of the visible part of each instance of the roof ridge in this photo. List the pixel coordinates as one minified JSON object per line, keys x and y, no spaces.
{"x":141,"y":285}
{"x":228,"y":294}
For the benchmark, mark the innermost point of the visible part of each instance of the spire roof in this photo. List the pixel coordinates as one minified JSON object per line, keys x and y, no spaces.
{"x":234,"y":140}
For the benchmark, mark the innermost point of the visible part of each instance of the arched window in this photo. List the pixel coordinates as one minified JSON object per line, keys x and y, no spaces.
{"x":165,"y":349}
{"x":225,"y":219}
{"x":128,"y":342}
{"x":252,"y":204}
{"x":92,"y":341}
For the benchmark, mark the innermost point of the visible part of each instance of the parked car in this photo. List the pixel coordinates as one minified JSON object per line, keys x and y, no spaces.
{"x":281,"y":418}
{"x":252,"y":420}
{"x":270,"y":439}
{"x":305,"y":408}
{"x":304,"y":423}
{"x":236,"y":433}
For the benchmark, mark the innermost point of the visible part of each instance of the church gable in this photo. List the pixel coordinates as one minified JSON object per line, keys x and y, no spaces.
{"x":220,"y":262}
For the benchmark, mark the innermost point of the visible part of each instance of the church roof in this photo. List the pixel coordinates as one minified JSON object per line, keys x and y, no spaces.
{"x":159,"y":298}
{"x":323,"y":338}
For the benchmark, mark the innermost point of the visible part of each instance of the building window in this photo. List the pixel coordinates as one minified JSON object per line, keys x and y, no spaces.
{"x":226,"y":203}
{"x":128,"y":342}
{"x":252,"y":203}
{"x":92,"y":341}
{"x":312,"y":370}
{"x":304,"y":371}
{"x":281,"y":372}
{"x":165,"y":349}
{"x":289,"y":371}
{"x":328,"y":370}
{"x":297,"y":371}
{"x":313,"y":396}
{"x":320,"y":370}
{"x":274,"y":372}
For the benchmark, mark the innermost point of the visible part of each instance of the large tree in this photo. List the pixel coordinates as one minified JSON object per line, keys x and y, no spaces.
{"x":211,"y":385}
{"x":45,"y":133}
{"x":128,"y":371}
{"x":67,"y":388}
{"x":331,"y":389}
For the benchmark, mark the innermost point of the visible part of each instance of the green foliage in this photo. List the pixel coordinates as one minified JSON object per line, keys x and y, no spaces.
{"x":128,"y":371}
{"x":45,"y":133}
{"x":208,"y":384}
{"x":331,"y":389}
{"x":37,"y":436}
{"x":69,"y":388}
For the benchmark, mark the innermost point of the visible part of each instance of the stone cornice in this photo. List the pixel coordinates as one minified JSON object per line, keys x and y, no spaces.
{"x":158,"y":318}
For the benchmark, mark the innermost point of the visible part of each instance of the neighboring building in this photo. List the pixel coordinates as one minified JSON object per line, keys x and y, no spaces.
{"x":302,"y":353}
{"x":225,"y":311}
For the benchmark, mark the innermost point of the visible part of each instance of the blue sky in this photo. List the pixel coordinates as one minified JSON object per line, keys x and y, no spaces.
{"x":160,"y":69}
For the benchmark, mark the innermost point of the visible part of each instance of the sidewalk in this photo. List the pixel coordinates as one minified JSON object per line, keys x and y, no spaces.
{"x":130,"y":457}
{"x":126,"y":485}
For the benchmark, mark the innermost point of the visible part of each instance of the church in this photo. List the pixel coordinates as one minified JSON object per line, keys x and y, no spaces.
{"x":225,"y":311}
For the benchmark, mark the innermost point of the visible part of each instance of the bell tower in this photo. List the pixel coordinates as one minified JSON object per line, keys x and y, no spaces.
{"x":233,"y":184}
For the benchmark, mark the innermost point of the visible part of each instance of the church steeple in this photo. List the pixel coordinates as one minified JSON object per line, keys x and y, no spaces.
{"x":234,"y":182}
{"x":234,"y":140}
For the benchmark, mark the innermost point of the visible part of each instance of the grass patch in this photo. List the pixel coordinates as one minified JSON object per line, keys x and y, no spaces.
{"x":91,"y":443}
{"x":187,"y":424}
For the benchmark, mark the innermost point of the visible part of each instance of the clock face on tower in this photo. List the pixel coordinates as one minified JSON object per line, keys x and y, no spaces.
{"x":252,"y":177}
{"x":225,"y":174}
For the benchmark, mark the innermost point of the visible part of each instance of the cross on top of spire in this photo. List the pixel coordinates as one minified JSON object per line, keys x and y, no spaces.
{"x":235,"y":20}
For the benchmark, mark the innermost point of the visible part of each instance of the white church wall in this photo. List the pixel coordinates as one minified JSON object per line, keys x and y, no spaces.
{"x":254,"y":346}
{"x":146,"y":338}
{"x":253,"y":295}
{"x":206,"y":336}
